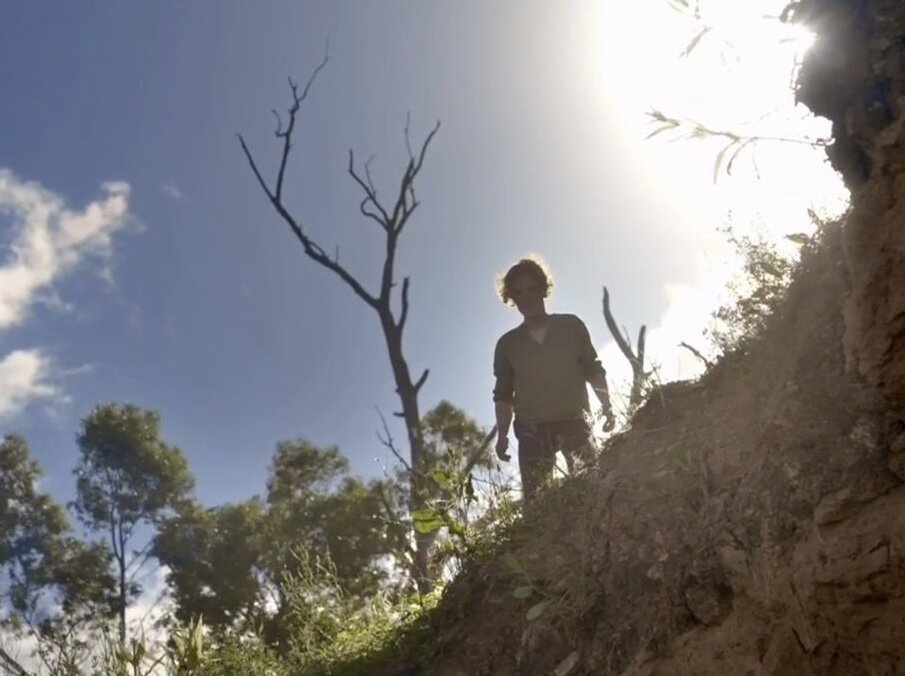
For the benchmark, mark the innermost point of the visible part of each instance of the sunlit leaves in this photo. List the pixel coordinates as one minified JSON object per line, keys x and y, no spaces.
{"x":427,"y":520}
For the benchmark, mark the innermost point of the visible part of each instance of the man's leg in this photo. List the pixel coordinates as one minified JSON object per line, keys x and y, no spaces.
{"x":573,"y":438}
{"x":535,"y":457}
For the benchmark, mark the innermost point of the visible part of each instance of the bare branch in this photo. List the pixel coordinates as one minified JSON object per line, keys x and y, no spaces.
{"x":293,"y":111}
{"x":408,"y":145}
{"x":642,"y":339}
{"x":387,"y":441}
{"x":367,"y":167}
{"x":279,"y":121}
{"x":697,"y":354}
{"x":476,"y":454}
{"x":614,"y":329}
{"x":635,"y":360}
{"x":382,"y":219}
{"x":405,"y":202}
{"x":422,"y":380}
{"x":254,"y":168}
{"x":312,"y":249}
{"x":404,"y":312}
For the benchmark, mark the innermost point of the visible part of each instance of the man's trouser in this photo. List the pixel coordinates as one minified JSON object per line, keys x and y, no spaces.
{"x":538,"y":444}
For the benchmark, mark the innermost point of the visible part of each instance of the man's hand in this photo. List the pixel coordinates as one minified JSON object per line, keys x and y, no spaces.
{"x":610,"y":421}
{"x":502,"y":445}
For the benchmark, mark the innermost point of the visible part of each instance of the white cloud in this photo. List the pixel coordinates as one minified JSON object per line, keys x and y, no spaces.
{"x":25,"y":377}
{"x":48,"y":241}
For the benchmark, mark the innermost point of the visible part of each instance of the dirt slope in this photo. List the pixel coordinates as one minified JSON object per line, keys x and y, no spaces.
{"x":753,"y":522}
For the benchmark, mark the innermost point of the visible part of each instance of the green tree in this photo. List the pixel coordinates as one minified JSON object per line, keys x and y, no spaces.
{"x":127,"y":477}
{"x":456,"y":450}
{"x":757,"y":293}
{"x":230,"y":564}
{"x":315,"y":505}
{"x":30,"y":523}
{"x":214,"y":558}
{"x":55,"y":583}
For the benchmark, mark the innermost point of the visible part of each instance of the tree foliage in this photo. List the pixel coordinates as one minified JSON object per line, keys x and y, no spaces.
{"x":757,"y":294}
{"x":126,"y":477}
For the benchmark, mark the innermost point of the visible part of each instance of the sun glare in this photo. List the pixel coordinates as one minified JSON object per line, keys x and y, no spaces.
{"x":728,"y":68}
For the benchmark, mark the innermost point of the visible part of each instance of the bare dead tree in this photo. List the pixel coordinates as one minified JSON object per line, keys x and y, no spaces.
{"x":391,"y":219}
{"x":635,"y":359}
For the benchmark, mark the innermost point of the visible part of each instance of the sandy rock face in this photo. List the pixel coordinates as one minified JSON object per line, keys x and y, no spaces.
{"x":855,"y":76}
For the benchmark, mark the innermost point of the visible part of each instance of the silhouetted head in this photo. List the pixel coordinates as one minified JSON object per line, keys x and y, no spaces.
{"x":525,"y":285}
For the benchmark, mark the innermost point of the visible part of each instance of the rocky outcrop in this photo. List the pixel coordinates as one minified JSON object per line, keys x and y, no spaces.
{"x":855,"y":76}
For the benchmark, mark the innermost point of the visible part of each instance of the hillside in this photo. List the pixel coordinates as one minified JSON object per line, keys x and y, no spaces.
{"x":752,"y":522}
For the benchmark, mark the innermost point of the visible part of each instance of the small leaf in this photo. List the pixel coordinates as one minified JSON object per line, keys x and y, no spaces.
{"x":736,"y":154}
{"x":537,"y":610}
{"x":523,"y":592}
{"x":660,"y":130}
{"x":694,"y":43}
{"x":799,"y":238}
{"x":719,"y":160}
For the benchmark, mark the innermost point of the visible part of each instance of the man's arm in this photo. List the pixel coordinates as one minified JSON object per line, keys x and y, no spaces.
{"x":503,"y":410}
{"x":598,"y":384}
{"x":503,"y":392}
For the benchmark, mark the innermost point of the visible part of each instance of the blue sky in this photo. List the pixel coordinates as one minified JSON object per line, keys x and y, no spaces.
{"x":187,"y":295}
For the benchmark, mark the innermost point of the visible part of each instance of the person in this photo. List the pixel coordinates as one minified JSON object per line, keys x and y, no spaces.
{"x":541,"y":367}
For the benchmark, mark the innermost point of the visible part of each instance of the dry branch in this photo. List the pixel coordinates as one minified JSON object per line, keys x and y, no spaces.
{"x":636,"y":360}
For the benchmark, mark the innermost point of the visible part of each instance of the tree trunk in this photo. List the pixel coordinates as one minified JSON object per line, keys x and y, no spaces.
{"x":408,"y":397}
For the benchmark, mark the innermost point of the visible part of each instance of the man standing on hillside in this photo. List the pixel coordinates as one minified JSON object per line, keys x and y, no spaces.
{"x":541,"y":368}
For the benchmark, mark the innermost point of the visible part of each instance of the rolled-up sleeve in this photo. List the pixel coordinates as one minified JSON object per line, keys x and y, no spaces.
{"x":504,"y":388}
{"x":587,"y":355}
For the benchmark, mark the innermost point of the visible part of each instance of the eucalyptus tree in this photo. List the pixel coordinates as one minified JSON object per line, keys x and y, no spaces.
{"x":127,"y":477}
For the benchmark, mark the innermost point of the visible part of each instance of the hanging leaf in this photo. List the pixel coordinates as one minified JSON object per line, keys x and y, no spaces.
{"x":738,"y":150}
{"x":799,"y":238}
{"x":694,"y":43}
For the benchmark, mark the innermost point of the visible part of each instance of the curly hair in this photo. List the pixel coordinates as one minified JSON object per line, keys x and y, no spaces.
{"x":531,"y":266}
